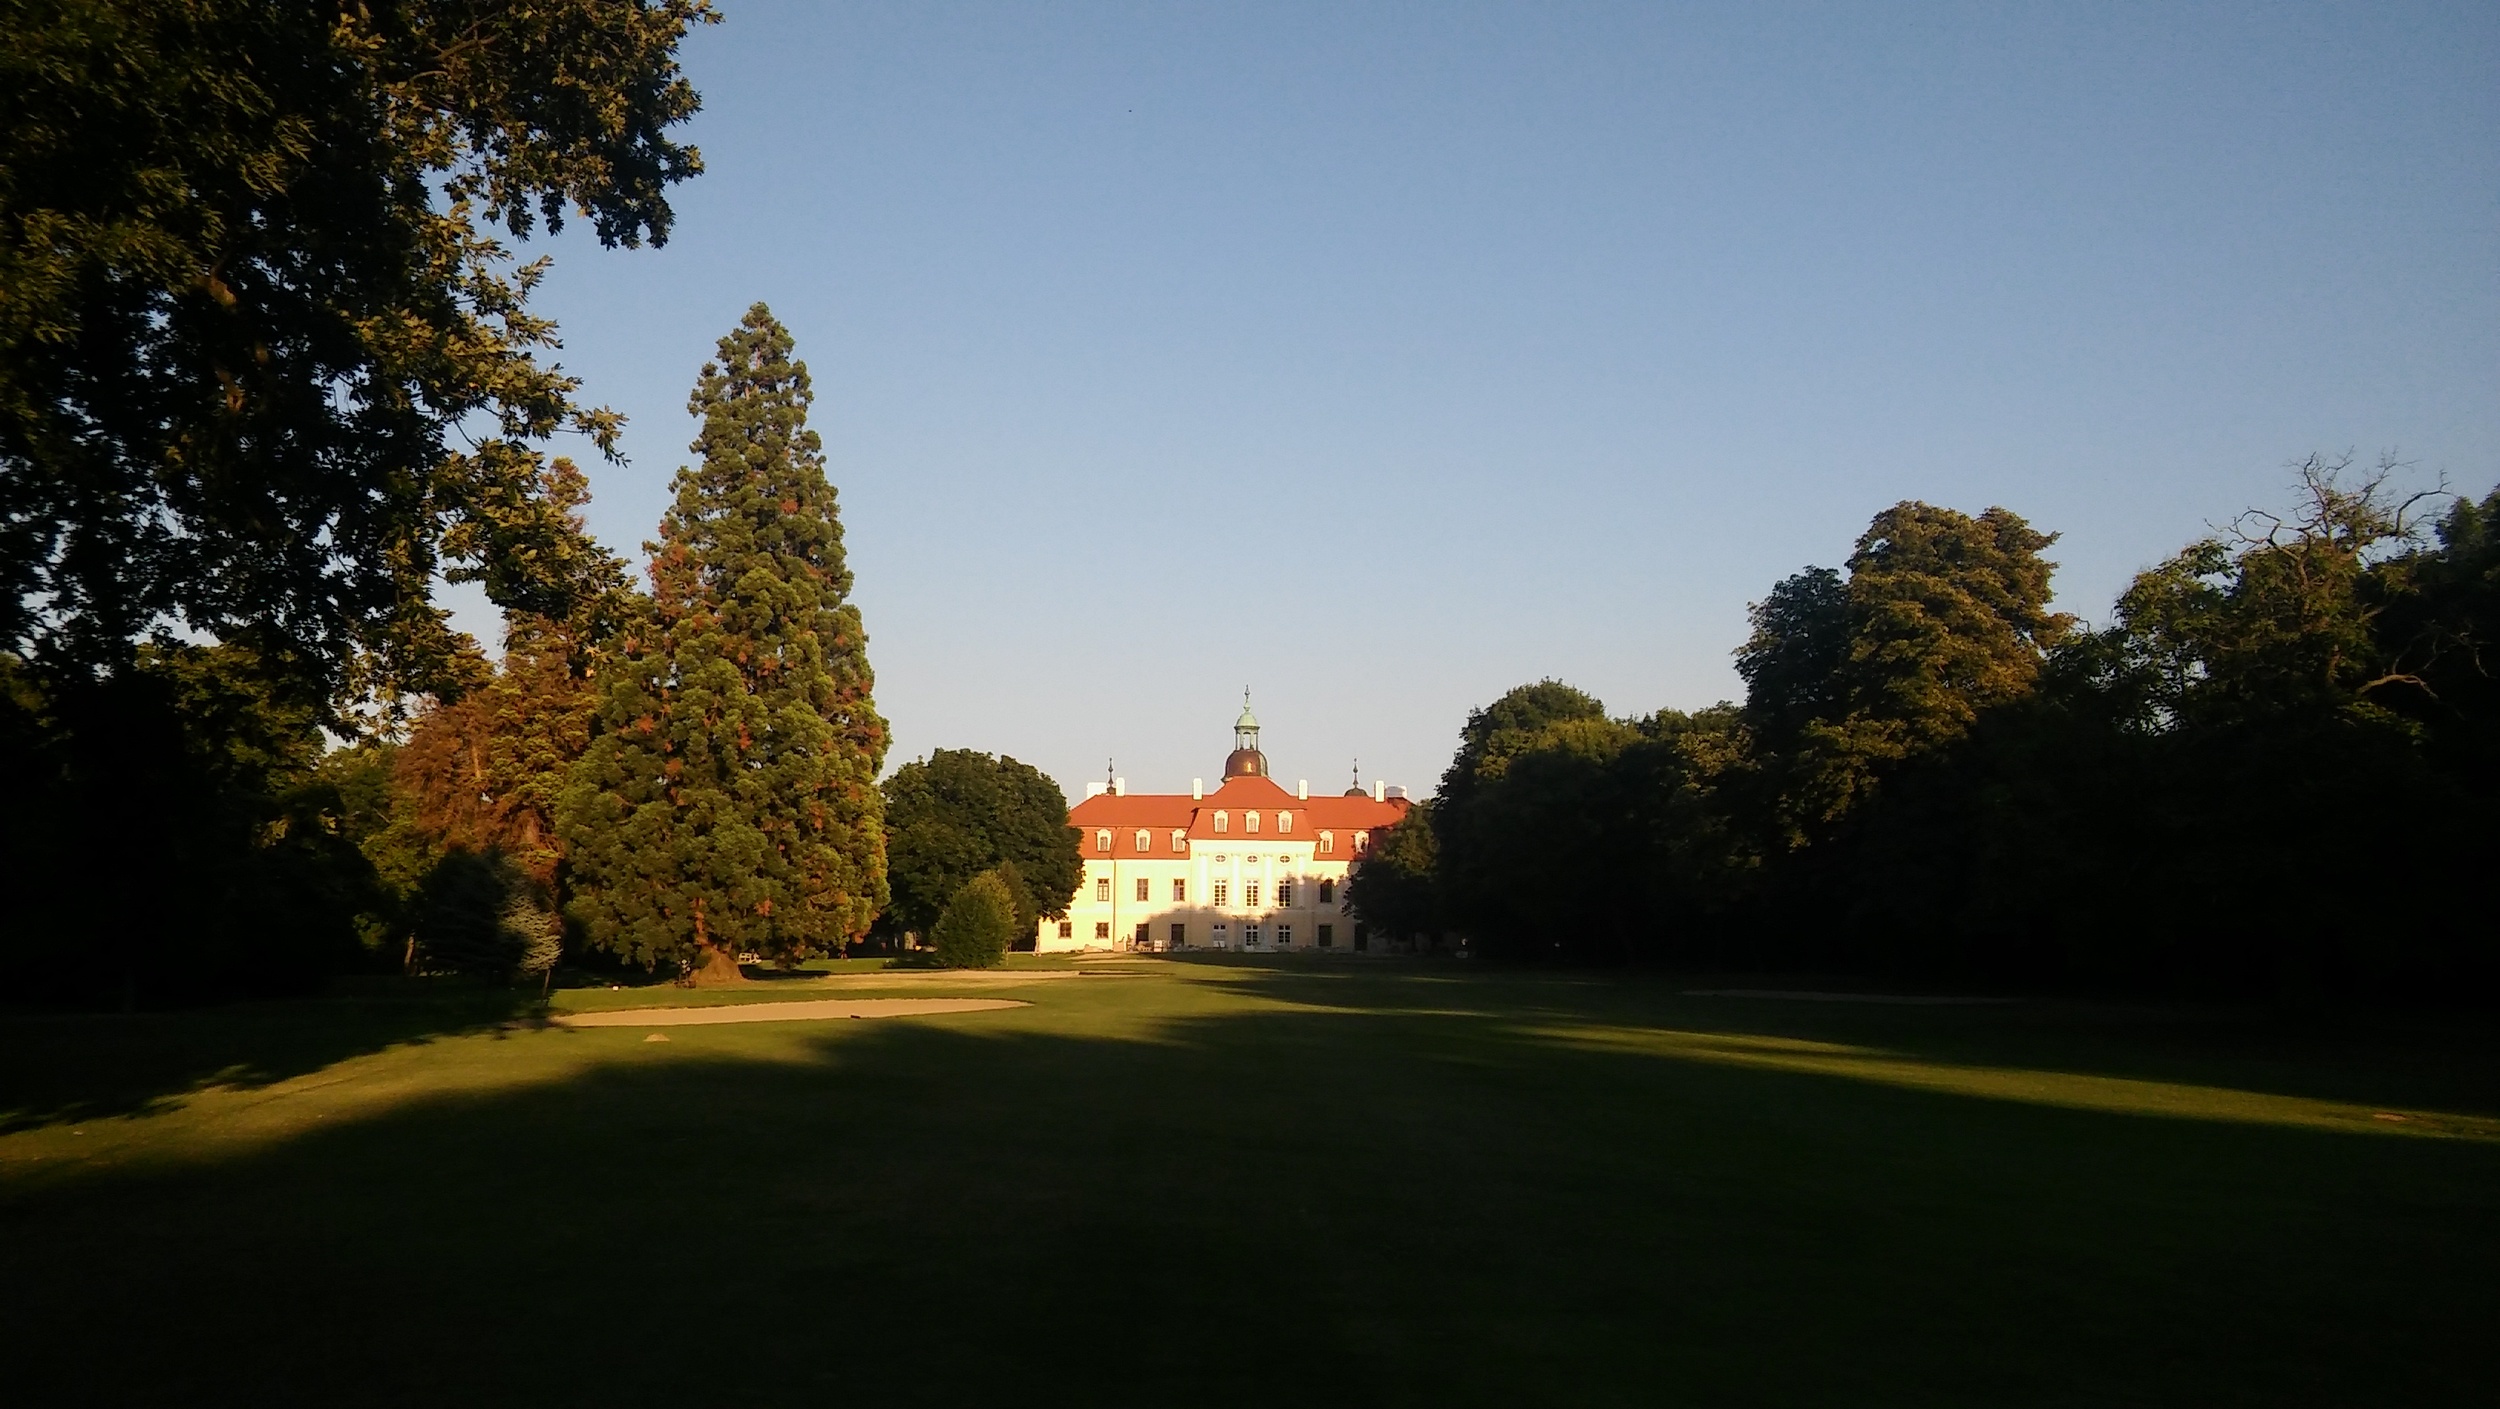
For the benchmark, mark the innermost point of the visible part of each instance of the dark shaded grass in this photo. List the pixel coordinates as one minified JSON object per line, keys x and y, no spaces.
{"x":1288,"y":1206}
{"x":62,"y":1067}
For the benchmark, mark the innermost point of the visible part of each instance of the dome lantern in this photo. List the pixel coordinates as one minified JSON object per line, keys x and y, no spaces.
{"x":1245,"y":761}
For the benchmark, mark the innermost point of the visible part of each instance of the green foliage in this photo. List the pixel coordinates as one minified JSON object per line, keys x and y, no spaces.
{"x":1792,"y":662}
{"x":181,"y":841}
{"x":480,"y":913}
{"x":958,"y":813}
{"x":2276,"y":771}
{"x":1569,"y":834}
{"x":978,"y":924}
{"x":251,"y":293}
{"x":1396,"y":890}
{"x":728,"y":801}
{"x":486,"y":770}
{"x":1947,"y":617}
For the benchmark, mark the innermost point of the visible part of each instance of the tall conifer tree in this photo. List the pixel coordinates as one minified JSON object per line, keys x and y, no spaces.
{"x":730,"y":800}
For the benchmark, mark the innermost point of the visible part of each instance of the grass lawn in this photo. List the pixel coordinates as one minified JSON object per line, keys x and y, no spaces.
{"x":1265,"y":1182}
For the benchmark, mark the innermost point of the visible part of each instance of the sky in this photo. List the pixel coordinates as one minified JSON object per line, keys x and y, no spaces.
{"x":1378,"y":358}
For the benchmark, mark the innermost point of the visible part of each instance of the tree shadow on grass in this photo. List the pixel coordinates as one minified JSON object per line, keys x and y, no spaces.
{"x":59,"y":1068}
{"x":2401,"y":1061}
{"x":1319,"y":1201}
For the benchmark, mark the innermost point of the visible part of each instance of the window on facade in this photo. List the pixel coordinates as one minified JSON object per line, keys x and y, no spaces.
{"x":1327,"y":892}
{"x":1067,"y":929}
{"x":1102,"y":840}
{"x":1140,"y":941}
{"x":1250,"y":894}
{"x":1144,"y":839}
{"x":1102,"y":929}
{"x":1220,"y":820}
{"x":1220,"y":888}
{"x":1102,"y":891}
{"x":1223,"y":934}
{"x":1327,"y":936}
{"x":1284,"y":895}
{"x":1249,"y":934}
{"x":1328,"y":843}
{"x":1362,"y":842}
{"x":1284,"y":936}
{"x":1249,"y":821}
{"x":1180,"y":891}
{"x":1284,"y":821}
{"x":1180,"y":840}
{"x":1141,"y":887}
{"x":1180,"y":936}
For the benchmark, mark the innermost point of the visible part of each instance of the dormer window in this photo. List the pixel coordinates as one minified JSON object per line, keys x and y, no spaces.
{"x":1102,"y":840}
{"x":1221,"y":822}
{"x":1284,"y":821}
{"x":1180,"y":839}
{"x":1328,"y":843}
{"x":1145,"y":839}
{"x":1250,"y":822}
{"x":1362,"y":842}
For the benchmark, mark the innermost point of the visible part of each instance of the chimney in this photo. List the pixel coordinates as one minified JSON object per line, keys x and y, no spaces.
{"x":1305,"y":790}
{"x":1396,"y":793}
{"x":1093,"y":789}
{"x":1119,"y":787}
{"x":1197,"y":789}
{"x":1380,"y":791}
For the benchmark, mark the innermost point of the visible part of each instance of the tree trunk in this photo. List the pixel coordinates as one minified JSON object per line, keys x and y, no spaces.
{"x":714,"y":967}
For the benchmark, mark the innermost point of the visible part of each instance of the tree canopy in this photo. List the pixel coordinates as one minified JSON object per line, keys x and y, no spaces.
{"x":2275,"y":770}
{"x":728,"y":801}
{"x":979,"y":922}
{"x":253,"y":290}
{"x":958,"y":813}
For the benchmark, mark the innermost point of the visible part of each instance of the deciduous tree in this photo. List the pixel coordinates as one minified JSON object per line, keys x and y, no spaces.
{"x":960,"y":812}
{"x":977,"y":925}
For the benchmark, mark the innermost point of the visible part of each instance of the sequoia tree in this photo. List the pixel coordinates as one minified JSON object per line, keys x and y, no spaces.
{"x":729,"y":800}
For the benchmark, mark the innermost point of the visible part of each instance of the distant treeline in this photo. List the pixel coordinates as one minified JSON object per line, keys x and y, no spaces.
{"x":2275,"y":771}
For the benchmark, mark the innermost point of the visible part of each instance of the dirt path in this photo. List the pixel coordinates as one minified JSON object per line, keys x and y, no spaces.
{"x":783,"y":1012}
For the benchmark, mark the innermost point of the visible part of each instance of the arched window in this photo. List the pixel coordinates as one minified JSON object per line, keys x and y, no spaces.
{"x":1180,"y":839}
{"x":1145,"y":839}
{"x":1250,"y":822}
{"x":1102,"y":840}
{"x":1284,"y":821}
{"x":1362,"y":842}
{"x":1328,"y":843}
{"x":1220,"y":820}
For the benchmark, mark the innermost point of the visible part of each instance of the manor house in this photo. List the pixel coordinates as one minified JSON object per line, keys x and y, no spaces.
{"x":1248,"y":866}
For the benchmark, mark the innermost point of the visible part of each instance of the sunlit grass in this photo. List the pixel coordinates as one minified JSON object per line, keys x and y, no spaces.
{"x":2070,"y":1090}
{"x":1258,"y":1181}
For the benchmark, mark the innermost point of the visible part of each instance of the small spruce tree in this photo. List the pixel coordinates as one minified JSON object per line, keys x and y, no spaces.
{"x":729,"y":800}
{"x":978,"y":925}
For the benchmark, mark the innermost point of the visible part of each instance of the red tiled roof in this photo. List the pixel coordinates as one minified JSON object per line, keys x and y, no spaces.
{"x":1160,"y":814}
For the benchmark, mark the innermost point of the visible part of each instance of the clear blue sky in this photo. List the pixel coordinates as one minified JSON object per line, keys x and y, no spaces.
{"x":1382,"y":357}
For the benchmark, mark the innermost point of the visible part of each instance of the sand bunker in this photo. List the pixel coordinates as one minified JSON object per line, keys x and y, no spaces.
{"x":783,"y":1012}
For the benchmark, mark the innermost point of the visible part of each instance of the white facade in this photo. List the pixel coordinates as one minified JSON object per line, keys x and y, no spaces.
{"x":1248,"y":866}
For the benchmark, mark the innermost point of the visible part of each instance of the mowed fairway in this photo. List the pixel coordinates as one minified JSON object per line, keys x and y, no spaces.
{"x":1255,"y":1182}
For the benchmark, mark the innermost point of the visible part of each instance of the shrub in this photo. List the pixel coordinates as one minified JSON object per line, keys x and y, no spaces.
{"x":978,"y":924}
{"x":478,"y":912}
